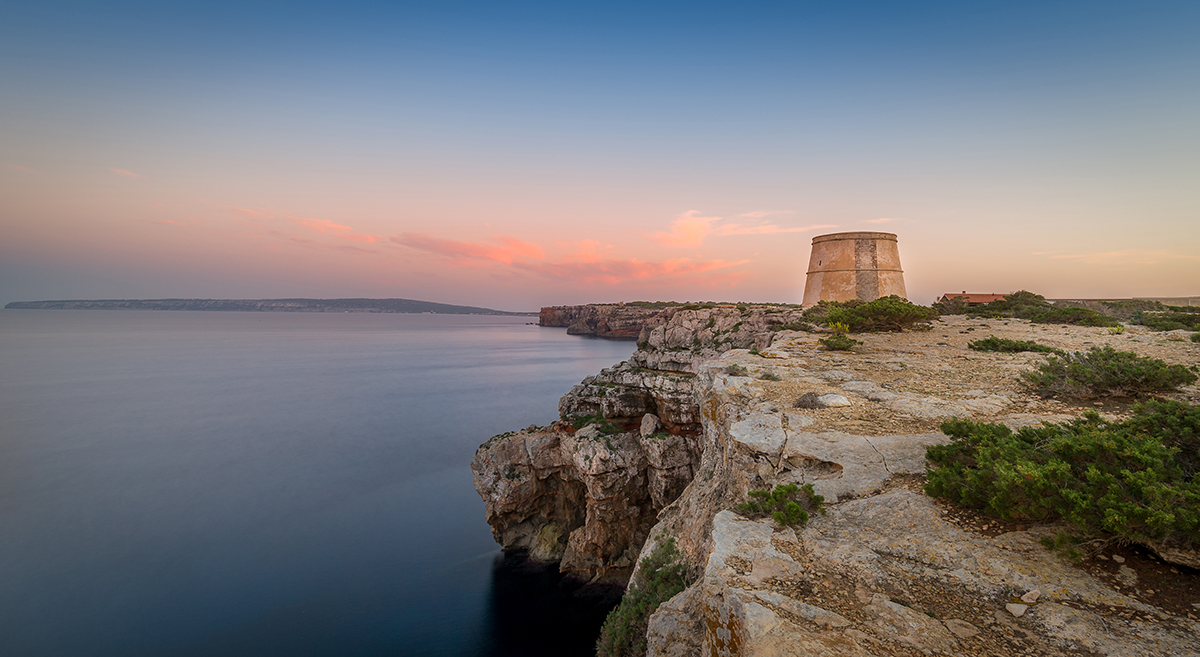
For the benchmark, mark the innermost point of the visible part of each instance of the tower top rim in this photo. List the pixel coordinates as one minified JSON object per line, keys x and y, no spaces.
{"x":855,"y":235}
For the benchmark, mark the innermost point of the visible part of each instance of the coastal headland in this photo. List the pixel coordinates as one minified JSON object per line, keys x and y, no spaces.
{"x":264,"y":305}
{"x":662,"y":448}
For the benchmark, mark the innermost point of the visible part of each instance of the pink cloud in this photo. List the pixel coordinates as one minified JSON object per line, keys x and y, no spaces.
{"x":507,"y":251}
{"x":585,"y":265}
{"x":612,"y":272}
{"x":690,"y":229}
{"x":767,"y":229}
{"x":17,"y":167}
{"x":253,"y":213}
{"x":168,"y":222}
{"x":324,"y":226}
{"x":126,"y":174}
{"x":330,"y":228}
{"x":589,"y":250}
{"x":759,"y":214}
{"x":687,"y":231}
{"x":881,"y":220}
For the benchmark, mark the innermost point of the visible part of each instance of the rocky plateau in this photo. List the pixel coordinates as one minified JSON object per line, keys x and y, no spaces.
{"x":720,"y":401}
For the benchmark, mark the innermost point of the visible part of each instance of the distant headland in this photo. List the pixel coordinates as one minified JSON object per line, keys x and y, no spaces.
{"x":265,"y":305}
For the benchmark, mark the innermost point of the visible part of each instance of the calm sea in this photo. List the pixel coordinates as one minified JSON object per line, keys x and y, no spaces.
{"x":189,"y":483}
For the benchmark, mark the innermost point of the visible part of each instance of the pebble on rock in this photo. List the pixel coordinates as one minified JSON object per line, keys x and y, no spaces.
{"x":1016,"y":609}
{"x":830,"y":400}
{"x":1031,"y":597}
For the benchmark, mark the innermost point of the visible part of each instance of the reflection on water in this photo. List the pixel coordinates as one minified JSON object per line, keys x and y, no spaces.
{"x":536,"y":612}
{"x":188,"y":483}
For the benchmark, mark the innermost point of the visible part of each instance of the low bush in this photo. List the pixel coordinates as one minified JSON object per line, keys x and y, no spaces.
{"x":820,"y":311}
{"x":663,"y":575}
{"x":1196,"y":337}
{"x":1116,"y":330}
{"x":607,"y":428}
{"x":1021,"y":304}
{"x":951,"y":306}
{"x":1005,"y":345}
{"x":1173,"y":319}
{"x":839,"y":342}
{"x":1134,"y":479}
{"x":1073,"y":316}
{"x":769,"y":376}
{"x":890,"y":313}
{"x":788,"y":505}
{"x":1105,"y":371}
{"x":1126,"y":309}
{"x":799,"y":325}
{"x":736,"y":370}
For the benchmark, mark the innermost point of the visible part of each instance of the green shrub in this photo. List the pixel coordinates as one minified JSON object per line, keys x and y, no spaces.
{"x":1177,"y":425}
{"x":1133,"y":479}
{"x":769,"y":376}
{"x":1116,"y":330}
{"x":993,"y":343}
{"x":607,"y":428}
{"x":1074,"y":316}
{"x":788,"y":505}
{"x":1021,"y":304}
{"x":1196,"y":337}
{"x":839,"y":342}
{"x":890,"y":313}
{"x":951,"y":306}
{"x":1172,"y":319}
{"x":794,"y":326}
{"x":663,"y":575}
{"x":821,"y":310}
{"x":1126,"y":309}
{"x":736,"y":370}
{"x":1105,"y":371}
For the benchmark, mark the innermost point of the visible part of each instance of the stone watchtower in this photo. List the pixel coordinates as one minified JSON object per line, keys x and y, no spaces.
{"x":862,"y":265}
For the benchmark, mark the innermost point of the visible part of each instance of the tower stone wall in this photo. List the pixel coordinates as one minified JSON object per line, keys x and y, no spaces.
{"x":859,"y":265}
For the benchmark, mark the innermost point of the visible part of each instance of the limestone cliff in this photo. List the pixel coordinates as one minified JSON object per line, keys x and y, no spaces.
{"x":612,"y":321}
{"x":585,"y":491}
{"x":706,"y":410}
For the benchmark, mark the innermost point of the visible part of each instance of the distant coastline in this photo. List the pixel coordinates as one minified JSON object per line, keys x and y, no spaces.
{"x":409,"y":306}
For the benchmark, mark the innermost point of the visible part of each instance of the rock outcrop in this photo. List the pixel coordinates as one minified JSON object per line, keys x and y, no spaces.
{"x":671,"y":441}
{"x":585,"y":491}
{"x":612,"y":321}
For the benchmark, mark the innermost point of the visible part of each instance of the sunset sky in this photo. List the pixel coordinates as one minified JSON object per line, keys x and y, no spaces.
{"x":515,"y":155}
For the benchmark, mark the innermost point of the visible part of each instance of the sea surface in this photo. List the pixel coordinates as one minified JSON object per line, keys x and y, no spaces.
{"x":207,"y":483}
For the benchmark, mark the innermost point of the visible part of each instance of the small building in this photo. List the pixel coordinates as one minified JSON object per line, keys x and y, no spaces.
{"x":972,"y":298}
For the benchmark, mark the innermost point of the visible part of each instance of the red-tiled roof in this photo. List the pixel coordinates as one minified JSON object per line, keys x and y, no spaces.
{"x":973,"y":297}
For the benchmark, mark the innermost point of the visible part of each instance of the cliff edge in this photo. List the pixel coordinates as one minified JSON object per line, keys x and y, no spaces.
{"x":666,"y":444}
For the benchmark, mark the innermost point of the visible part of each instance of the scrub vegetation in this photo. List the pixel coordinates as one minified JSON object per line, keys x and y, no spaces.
{"x":788,"y":505}
{"x":890,"y":313}
{"x":1005,"y":345}
{"x":662,"y":575}
{"x":1130,"y":480}
{"x":1104,"y":371}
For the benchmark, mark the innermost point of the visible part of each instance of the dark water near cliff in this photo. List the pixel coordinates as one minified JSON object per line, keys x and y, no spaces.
{"x":177,"y":483}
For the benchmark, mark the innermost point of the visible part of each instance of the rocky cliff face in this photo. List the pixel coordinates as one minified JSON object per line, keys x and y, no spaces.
{"x":586,"y":490}
{"x":695,"y":420}
{"x":612,"y":321}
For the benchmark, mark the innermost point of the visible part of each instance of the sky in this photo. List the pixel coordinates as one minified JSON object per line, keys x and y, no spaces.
{"x":517,"y":155}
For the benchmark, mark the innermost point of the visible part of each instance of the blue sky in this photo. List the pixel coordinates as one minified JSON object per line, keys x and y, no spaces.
{"x":254,"y":149}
